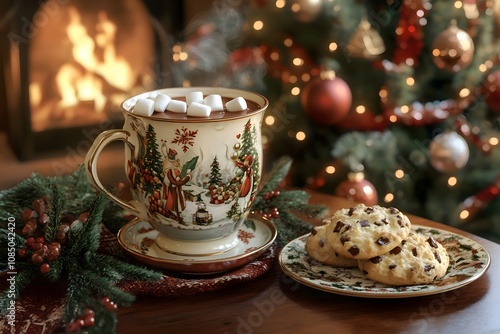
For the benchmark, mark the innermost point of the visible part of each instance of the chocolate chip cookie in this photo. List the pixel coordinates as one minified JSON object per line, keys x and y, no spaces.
{"x":318,"y":248}
{"x":362,"y":232}
{"x":417,"y":260}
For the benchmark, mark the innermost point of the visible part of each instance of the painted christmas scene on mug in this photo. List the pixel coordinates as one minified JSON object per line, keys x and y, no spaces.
{"x":194,"y":188}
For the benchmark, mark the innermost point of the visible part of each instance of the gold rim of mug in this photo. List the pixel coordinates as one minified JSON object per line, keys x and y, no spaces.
{"x":236,"y":115}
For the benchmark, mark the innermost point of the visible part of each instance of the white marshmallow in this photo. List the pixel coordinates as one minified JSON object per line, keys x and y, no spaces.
{"x":214,"y":101}
{"x":196,"y":109}
{"x":144,"y":107}
{"x":153,"y":94}
{"x":236,"y":104}
{"x":194,"y":97}
{"x":177,"y":106}
{"x":161,"y":102}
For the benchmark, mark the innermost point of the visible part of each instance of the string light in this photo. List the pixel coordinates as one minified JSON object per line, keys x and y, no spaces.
{"x":300,"y":136}
{"x":360,"y":109}
{"x":464,"y":92}
{"x":295,"y":91}
{"x":330,"y":169}
{"x":410,"y":81}
{"x":280,"y":3}
{"x":452,"y":181}
{"x":493,"y":141}
{"x":464,"y":214}
{"x":388,"y":198}
{"x":258,"y":25}
{"x":399,"y":173}
{"x":270,"y":120}
{"x":288,"y":42}
{"x":298,"y":61}
{"x":332,"y":46}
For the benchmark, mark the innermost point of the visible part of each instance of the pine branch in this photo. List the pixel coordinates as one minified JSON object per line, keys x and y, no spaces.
{"x":276,"y":175}
{"x":286,"y":205}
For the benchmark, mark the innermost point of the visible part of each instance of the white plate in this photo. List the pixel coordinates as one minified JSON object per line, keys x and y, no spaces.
{"x":469,"y":260}
{"x":255,"y":236}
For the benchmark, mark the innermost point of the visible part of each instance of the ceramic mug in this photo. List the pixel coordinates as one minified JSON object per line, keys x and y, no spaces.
{"x":192,"y":178}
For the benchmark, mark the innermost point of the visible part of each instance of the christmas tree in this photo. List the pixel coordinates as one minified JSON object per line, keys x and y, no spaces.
{"x":394,"y":101}
{"x":152,"y":163}
{"x":215,"y":177}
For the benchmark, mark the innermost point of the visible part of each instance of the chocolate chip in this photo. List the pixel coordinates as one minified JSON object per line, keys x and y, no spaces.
{"x":354,"y":250}
{"x":385,"y":221}
{"x":400,"y":222}
{"x":382,"y":241}
{"x":393,"y":210}
{"x":344,"y":239}
{"x":396,"y":250}
{"x":351,"y":211}
{"x":338,"y":226}
{"x":364,"y":223}
{"x":321,"y":243}
{"x":314,"y":231}
{"x":377,"y":223}
{"x":347,"y":227}
{"x":369,"y":210}
{"x":437,"y":256}
{"x":414,"y":251}
{"x":432,"y":242}
{"x":392,"y":266}
{"x":376,"y":259}
{"x":428,"y":267}
{"x":403,"y":242}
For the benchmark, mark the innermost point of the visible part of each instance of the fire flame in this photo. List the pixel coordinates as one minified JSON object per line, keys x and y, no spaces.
{"x":84,"y":79}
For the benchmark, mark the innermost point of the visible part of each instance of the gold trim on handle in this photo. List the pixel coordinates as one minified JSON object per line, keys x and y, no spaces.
{"x":100,"y":142}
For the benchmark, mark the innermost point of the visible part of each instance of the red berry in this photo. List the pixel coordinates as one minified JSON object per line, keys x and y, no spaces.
{"x":40,"y":240}
{"x":36,"y":258}
{"x":29,"y":242}
{"x":36,"y":246}
{"x":53,"y":253}
{"x":22,"y":253}
{"x":89,"y":320}
{"x":45,"y":268}
{"x":111,"y":306}
{"x":80,"y":322}
{"x":72,"y":327}
{"x":89,"y":312}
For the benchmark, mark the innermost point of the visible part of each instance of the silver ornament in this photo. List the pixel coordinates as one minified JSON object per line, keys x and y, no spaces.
{"x":448,"y":152}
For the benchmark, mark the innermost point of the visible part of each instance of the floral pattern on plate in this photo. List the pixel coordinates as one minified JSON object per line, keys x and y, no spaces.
{"x":468,"y":261}
{"x":255,"y":236}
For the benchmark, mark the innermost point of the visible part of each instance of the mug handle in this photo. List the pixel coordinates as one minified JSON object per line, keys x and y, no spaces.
{"x":100,"y":142}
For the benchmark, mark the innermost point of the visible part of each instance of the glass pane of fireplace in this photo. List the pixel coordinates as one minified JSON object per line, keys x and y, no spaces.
{"x":85,"y":58}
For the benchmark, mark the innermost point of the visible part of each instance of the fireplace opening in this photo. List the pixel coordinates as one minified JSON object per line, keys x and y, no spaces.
{"x":69,"y":64}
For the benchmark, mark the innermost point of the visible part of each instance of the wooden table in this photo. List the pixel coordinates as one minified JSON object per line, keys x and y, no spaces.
{"x":274,"y":303}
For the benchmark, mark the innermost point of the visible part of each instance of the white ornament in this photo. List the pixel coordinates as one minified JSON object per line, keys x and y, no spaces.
{"x":448,"y":152}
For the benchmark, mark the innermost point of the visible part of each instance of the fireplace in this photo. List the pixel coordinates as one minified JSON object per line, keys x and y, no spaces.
{"x":68,"y":64}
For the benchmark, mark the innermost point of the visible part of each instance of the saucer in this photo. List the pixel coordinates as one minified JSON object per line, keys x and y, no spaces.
{"x":255,"y":236}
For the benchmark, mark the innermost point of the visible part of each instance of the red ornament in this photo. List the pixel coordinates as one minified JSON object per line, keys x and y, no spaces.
{"x":492,"y":91}
{"x":358,"y":189}
{"x":326,"y":101}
